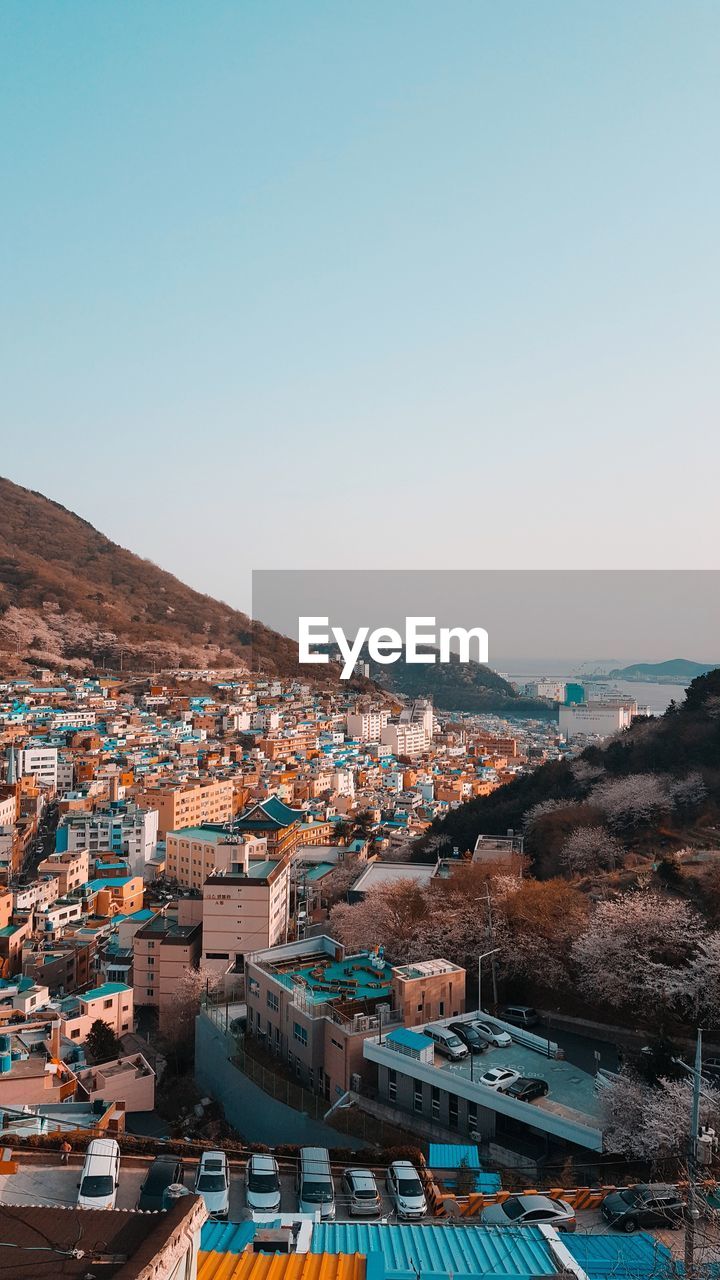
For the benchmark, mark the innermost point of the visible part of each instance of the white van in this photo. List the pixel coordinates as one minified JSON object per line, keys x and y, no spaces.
{"x":446,"y":1042}
{"x":316,"y":1191}
{"x":97,"y":1188}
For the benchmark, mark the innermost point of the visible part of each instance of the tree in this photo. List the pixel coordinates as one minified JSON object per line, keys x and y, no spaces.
{"x":633,"y":801}
{"x":637,"y":950}
{"x":101,"y":1043}
{"x":541,"y":919}
{"x":651,"y":1123}
{"x":590,"y":849}
{"x":178,"y":1024}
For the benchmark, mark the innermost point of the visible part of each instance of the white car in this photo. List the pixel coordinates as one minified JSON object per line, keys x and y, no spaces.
{"x":262,"y":1184}
{"x":405,"y":1190}
{"x":499,"y":1078}
{"x":492,"y":1033}
{"x":99,"y":1180}
{"x":212,"y":1182}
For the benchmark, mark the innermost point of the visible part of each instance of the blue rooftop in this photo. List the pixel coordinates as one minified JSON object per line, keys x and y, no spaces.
{"x":230,"y":1237}
{"x":353,"y":978}
{"x":410,"y":1039}
{"x":451,"y":1155}
{"x":106,"y":989}
{"x":440,"y":1250}
{"x":620,"y":1257}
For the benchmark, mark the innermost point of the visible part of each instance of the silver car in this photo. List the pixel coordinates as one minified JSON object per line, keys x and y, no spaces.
{"x":492,"y":1033}
{"x":361,"y":1194}
{"x":530,"y":1211}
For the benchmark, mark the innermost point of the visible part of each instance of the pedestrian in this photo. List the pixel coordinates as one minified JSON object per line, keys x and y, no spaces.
{"x":65,"y":1152}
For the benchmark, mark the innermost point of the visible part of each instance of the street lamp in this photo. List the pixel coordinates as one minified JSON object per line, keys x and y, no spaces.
{"x":482,"y":957}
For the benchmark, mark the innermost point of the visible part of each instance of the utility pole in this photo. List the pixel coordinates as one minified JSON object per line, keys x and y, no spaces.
{"x":692,"y":1209}
{"x":482,"y":957}
{"x":492,"y":938}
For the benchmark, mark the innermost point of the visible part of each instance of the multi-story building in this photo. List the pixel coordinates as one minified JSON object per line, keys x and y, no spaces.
{"x":111,"y":1003}
{"x":190,"y":804}
{"x":313,"y":1006}
{"x":195,"y":853}
{"x":127,"y":830}
{"x":407,"y":739}
{"x":41,"y":762}
{"x":367,"y":726}
{"x":162,"y":951}
{"x":596,"y":719}
{"x":428,"y":990}
{"x":71,"y":868}
{"x":244,"y":910}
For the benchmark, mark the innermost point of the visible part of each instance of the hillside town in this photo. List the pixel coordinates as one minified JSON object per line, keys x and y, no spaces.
{"x":224,"y":912}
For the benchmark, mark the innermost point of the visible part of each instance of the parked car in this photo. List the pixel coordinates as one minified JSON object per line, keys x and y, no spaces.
{"x":361,"y":1192}
{"x":469,"y":1035}
{"x":521,"y":1015}
{"x":499,"y":1078}
{"x":100,"y":1177}
{"x":212,"y":1182}
{"x":446,"y":1042}
{"x":315,"y":1186}
{"x":262,"y":1184}
{"x":527,"y":1088}
{"x":530,"y":1211}
{"x":492,"y":1033}
{"x":646,"y":1204}
{"x":163,"y":1172}
{"x":406,"y":1190}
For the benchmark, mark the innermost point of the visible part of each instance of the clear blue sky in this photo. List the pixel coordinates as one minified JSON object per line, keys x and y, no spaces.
{"x":308,"y":284}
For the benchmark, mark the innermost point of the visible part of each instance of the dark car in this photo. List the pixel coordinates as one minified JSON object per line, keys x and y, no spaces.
{"x":466,"y":1032}
{"x":520,"y":1015}
{"x":527,"y":1088}
{"x":163,"y":1172}
{"x":644,"y":1205}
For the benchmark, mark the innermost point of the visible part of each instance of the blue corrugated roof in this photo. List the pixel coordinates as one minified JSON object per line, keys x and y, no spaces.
{"x":433,"y":1249}
{"x":450,"y":1155}
{"x":411,"y":1039}
{"x":230,"y":1237}
{"x":620,"y":1257}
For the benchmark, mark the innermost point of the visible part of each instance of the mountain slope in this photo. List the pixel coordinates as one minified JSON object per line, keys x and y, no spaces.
{"x":69,"y":596}
{"x":675,"y":671}
{"x":677,"y":756}
{"x":471,"y":687}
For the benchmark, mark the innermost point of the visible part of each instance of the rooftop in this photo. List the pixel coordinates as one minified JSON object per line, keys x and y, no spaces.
{"x":441,"y":1250}
{"x":323,"y":978}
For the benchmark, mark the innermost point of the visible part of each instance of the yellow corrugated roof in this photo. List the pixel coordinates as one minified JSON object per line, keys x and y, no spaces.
{"x":281,"y":1266}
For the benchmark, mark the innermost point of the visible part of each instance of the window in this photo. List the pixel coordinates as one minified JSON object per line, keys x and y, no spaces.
{"x":442,"y":1008}
{"x":472,"y":1117}
{"x":300,"y":1033}
{"x":273,"y":1001}
{"x":74,"y":1033}
{"x":392,"y":1084}
{"x":150,"y":991}
{"x":453,"y":1111}
{"x":107,"y":1004}
{"x":418,"y":1096}
{"x":435,"y":1103}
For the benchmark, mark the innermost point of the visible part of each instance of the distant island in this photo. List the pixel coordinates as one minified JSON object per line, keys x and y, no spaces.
{"x":674,"y":671}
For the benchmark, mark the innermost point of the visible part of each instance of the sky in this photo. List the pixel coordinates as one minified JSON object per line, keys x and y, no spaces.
{"x":289,"y":284}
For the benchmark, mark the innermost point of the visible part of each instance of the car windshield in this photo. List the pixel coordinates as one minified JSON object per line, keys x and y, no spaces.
{"x":365,"y":1193}
{"x":317,"y":1192}
{"x":409,"y":1187}
{"x":97,"y":1185}
{"x":262,"y":1182}
{"x":453,"y":1041}
{"x":630,"y":1196}
{"x":513,"y":1208}
{"x":211,"y":1182}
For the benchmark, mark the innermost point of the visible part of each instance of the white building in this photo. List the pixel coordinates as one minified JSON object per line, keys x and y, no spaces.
{"x":367,"y":726}
{"x":40,"y":761}
{"x":129,"y":831}
{"x":596,"y":719}
{"x":406,"y":739}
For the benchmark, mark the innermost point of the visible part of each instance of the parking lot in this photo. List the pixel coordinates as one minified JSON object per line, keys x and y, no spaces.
{"x":55,"y":1184}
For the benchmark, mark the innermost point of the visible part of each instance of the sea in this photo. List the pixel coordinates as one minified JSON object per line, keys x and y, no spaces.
{"x":655,"y":696}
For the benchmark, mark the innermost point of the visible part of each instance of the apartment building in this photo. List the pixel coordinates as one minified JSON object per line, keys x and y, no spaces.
{"x":367,"y":726}
{"x":112,"y":1002}
{"x":71,"y":869}
{"x":163,"y":950}
{"x":194,"y":854}
{"x":312,"y":1005}
{"x":127,"y":830}
{"x":244,"y":911}
{"x":41,"y":762}
{"x":190,"y":804}
{"x":8,"y":806}
{"x":407,"y":739}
